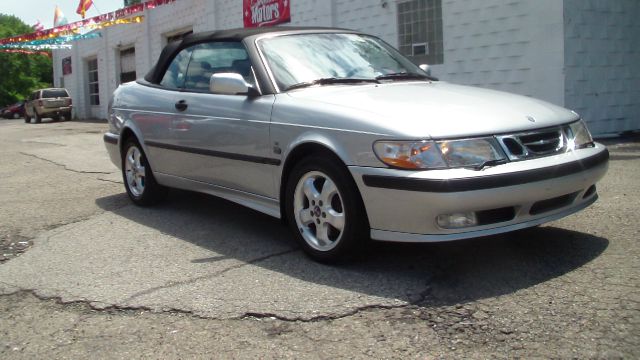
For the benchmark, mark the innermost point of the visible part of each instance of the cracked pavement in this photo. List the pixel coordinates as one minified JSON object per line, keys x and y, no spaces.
{"x":89,"y":274}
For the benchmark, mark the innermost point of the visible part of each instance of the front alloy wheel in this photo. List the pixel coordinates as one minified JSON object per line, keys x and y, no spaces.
{"x":324,"y":209}
{"x":319,"y":211}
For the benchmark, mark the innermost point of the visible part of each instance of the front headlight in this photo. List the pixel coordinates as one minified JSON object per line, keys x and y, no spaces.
{"x":579,"y":136}
{"x":473,"y":153}
{"x":409,"y":155}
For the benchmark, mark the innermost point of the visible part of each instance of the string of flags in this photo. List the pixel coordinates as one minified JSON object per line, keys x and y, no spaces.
{"x":59,"y":18}
{"x":61,"y":42}
{"x":64,"y":33}
{"x":83,"y":7}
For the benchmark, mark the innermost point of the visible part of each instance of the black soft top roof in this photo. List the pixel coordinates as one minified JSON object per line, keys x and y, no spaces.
{"x":155,"y":74}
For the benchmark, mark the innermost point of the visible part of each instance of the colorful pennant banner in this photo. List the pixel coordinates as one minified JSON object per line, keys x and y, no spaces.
{"x":61,"y":40}
{"x":109,"y":19}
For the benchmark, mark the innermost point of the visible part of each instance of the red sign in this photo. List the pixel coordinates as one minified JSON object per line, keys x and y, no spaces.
{"x":259,"y":13}
{"x":66,"y":66}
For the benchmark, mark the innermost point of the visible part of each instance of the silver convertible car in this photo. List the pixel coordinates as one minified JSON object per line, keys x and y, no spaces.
{"x":346,"y":140}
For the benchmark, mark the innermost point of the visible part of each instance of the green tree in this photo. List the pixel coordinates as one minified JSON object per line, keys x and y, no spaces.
{"x":21,"y":73}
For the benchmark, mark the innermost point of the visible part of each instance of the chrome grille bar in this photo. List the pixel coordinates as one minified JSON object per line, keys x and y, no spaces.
{"x":532,"y":144}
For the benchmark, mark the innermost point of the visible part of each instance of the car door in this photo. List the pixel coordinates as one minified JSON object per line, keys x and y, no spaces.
{"x":223,"y":139}
{"x":152,"y":110}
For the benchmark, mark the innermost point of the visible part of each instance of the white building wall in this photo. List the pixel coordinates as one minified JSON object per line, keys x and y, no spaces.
{"x":60,"y":80}
{"x":602,"y":52}
{"x":114,"y":40}
{"x":228,"y":13}
{"x":509,"y":45}
{"x":373,"y":17}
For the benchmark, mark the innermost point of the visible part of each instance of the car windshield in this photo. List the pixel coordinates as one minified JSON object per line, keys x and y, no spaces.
{"x":54,"y":93}
{"x":308,"y":59}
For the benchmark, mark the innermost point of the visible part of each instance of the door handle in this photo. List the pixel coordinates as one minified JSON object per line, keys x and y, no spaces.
{"x":181,"y":105}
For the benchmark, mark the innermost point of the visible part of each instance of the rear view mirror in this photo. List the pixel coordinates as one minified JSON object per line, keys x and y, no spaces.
{"x":230,"y":84}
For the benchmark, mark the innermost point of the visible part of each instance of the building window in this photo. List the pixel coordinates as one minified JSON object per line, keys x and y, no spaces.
{"x":127,"y":65}
{"x":178,"y":36}
{"x":420,"y":31}
{"x":94,"y":84}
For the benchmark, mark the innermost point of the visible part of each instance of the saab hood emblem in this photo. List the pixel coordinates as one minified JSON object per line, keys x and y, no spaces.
{"x":531,"y":118}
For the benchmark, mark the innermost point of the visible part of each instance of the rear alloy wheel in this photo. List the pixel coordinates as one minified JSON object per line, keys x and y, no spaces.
{"x":138,"y":179}
{"x":324,"y":210}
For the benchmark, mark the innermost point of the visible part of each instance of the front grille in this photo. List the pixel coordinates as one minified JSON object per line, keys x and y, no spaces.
{"x":542,"y":143}
{"x":534,"y":144}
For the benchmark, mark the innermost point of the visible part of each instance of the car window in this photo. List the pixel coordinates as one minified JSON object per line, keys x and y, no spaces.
{"x":175,"y":74}
{"x":217,"y":57}
{"x":54,"y":93}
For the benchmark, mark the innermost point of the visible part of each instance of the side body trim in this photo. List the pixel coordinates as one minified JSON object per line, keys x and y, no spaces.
{"x":219,"y":154}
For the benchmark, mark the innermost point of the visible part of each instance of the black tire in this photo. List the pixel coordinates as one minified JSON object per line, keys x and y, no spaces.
{"x":355,"y":231}
{"x":27,"y":118}
{"x":67,"y":116}
{"x":37,"y":117}
{"x":152,"y":192}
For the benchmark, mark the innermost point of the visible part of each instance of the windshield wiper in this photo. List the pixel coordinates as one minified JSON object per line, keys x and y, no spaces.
{"x":332,"y":80}
{"x":406,"y":76}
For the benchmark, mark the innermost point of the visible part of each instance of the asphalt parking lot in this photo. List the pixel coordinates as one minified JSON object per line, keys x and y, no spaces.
{"x":85,"y":273}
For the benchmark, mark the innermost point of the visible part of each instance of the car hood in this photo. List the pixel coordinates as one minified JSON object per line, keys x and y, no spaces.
{"x":436,"y":109}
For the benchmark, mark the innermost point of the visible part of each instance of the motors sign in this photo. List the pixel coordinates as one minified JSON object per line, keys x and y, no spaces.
{"x":259,"y":13}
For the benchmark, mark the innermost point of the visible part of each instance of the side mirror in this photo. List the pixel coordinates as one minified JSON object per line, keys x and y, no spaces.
{"x":426,"y":68}
{"x":231,"y":84}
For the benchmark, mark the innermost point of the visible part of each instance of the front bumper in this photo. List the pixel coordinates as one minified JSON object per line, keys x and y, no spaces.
{"x":111,"y":142}
{"x":404,"y":205}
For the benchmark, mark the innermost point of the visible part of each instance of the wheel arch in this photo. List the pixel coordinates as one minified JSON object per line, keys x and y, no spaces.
{"x":129,"y":130}
{"x":296,"y":154}
{"x":125,"y":135}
